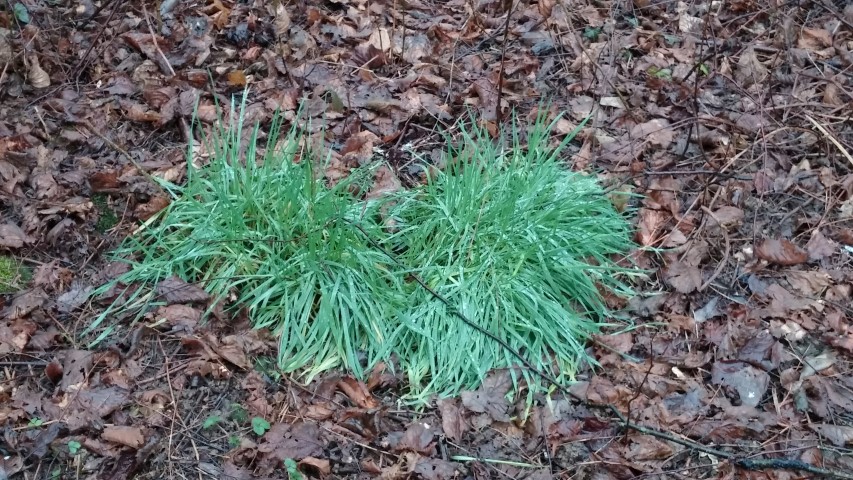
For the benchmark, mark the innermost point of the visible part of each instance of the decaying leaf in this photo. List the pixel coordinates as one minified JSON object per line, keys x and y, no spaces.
{"x":781,"y":252}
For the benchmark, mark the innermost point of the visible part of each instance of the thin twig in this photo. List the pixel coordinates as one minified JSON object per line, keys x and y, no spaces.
{"x":498,"y":113}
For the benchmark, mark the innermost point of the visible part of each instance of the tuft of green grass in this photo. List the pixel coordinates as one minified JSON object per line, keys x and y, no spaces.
{"x":516,"y":242}
{"x":13,"y":275}
{"x":519,"y":245}
{"x":261,"y":222}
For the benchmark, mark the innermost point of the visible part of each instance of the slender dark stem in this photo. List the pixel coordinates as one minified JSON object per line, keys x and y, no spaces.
{"x":498,"y":113}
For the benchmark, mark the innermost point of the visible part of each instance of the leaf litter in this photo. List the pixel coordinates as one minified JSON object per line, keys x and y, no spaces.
{"x":738,"y":144}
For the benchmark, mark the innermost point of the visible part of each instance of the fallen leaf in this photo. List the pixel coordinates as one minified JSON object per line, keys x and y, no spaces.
{"x":820,"y":247}
{"x":657,"y":132}
{"x":839,"y":435}
{"x":419,"y":437}
{"x":781,"y":252}
{"x":489,"y":399}
{"x":435,"y":469}
{"x":147,"y":210}
{"x":319,"y":465}
{"x":175,"y":290}
{"x":683,"y":276}
{"x":11,"y":236}
{"x":128,"y":436}
{"x":296,"y":442}
{"x":749,"y":382}
{"x":357,"y":391}
{"x":452,"y":422}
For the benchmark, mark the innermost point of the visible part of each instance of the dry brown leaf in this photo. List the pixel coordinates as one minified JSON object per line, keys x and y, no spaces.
{"x":282,"y":21}
{"x":176,"y":290}
{"x":781,"y":252}
{"x":491,"y":401}
{"x":452,"y":422}
{"x":179,"y":315}
{"x":820,"y":247}
{"x":37,"y":77}
{"x":237,"y":78}
{"x":419,"y":437}
{"x":147,"y":210}
{"x":657,"y":132}
{"x":319,"y":465}
{"x":128,"y":436}
{"x":11,"y":236}
{"x":683,"y":276}
{"x":297,"y":441}
{"x":357,"y":391}
{"x":750,"y":70}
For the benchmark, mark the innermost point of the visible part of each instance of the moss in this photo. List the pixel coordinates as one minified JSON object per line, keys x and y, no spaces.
{"x":107,"y":218}
{"x":13,"y":275}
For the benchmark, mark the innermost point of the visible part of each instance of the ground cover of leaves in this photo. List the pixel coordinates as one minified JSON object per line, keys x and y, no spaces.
{"x":731,"y":119}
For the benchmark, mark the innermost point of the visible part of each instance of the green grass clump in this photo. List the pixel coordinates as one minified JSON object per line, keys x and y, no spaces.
{"x":276,"y":234}
{"x":13,"y":275}
{"x":519,"y":245}
{"x":515,"y":241}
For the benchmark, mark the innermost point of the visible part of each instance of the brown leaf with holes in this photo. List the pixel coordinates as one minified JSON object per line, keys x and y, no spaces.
{"x":781,"y":252}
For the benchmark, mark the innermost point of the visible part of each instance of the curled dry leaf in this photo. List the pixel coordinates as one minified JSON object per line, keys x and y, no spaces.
{"x":781,"y":252}
{"x":357,"y":392}
{"x":37,"y":77}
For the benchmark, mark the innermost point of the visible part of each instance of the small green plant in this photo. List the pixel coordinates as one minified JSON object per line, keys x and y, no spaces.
{"x":293,"y":472}
{"x":662,"y":73}
{"x":239,"y":414}
{"x":210,"y":422}
{"x":260,"y":425}
{"x":13,"y":275}
{"x":591,"y":33}
{"x":233,"y":441}
{"x":511,"y":238}
{"x":35,"y":422}
{"x":74,"y":447}
{"x":107,"y":218}
{"x":21,"y":12}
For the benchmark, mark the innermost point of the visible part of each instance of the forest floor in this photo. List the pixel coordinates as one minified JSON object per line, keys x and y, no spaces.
{"x":731,"y":121}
